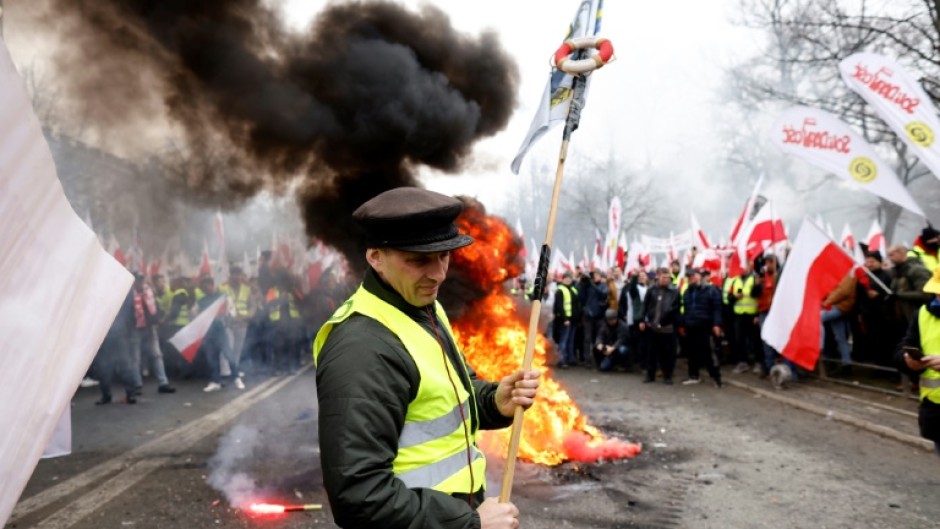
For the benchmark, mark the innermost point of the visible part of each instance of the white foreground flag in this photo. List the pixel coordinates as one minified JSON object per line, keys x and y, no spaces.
{"x":825,"y":141}
{"x":59,"y":291}
{"x":900,"y":101}
{"x":815,"y":266}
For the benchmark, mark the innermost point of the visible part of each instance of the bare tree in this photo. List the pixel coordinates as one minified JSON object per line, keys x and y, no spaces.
{"x":806,"y":41}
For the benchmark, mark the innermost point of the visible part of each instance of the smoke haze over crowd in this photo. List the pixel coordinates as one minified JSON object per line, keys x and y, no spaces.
{"x":352,"y":106}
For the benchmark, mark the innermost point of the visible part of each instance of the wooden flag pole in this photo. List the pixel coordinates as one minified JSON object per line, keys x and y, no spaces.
{"x":518,"y":416}
{"x":541,"y":279}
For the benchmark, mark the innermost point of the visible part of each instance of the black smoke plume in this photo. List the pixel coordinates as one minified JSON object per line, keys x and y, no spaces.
{"x":352,"y":106}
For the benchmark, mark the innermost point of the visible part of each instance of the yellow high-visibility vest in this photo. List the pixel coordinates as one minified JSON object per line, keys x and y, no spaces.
{"x":748,"y":304}
{"x":275,"y":313}
{"x":183,"y":317}
{"x":240,"y":298}
{"x":726,"y":290}
{"x":567,"y":292}
{"x":930,"y":345}
{"x":929,"y":261}
{"x":165,"y":301}
{"x":432,"y":449}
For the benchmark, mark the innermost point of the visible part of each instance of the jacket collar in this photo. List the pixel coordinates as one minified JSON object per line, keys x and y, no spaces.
{"x":376,"y":285}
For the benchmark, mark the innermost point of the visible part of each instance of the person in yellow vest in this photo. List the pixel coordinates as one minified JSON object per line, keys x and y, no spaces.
{"x":175,"y":318}
{"x":746,"y":290}
{"x":567,"y":312}
{"x":920,"y":352}
{"x":926,"y":248}
{"x":399,"y":406}
{"x":285,"y":326}
{"x":241,"y":307}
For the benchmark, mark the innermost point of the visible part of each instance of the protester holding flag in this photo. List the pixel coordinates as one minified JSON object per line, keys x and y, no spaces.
{"x":143,"y":340}
{"x":389,"y":351}
{"x":919,"y":353}
{"x":175,"y":319}
{"x":216,"y":342}
{"x":836,"y":312}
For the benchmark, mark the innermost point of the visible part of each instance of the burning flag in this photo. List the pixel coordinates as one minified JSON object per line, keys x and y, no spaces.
{"x":492,"y":332}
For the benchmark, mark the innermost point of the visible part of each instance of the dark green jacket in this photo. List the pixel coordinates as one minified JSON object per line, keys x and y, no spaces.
{"x":365,"y":382}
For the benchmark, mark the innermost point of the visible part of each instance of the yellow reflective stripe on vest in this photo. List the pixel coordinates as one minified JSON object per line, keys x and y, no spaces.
{"x":419,"y":432}
{"x":930,"y":344}
{"x":432,"y":451}
{"x":426,"y":477}
{"x":747,"y":304}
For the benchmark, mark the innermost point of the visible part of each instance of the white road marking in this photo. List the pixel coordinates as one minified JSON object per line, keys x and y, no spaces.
{"x":135,"y":465}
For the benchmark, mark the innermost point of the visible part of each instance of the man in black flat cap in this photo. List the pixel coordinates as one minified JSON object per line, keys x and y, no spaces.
{"x":399,"y":406}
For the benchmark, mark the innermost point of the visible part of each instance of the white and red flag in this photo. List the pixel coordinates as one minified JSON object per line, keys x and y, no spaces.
{"x":522,"y":250}
{"x":849,"y":243}
{"x":188,"y":339}
{"x":847,"y":240}
{"x":900,"y":101}
{"x":753,"y":204}
{"x":699,"y":239}
{"x":815,"y":266}
{"x":114,"y":248}
{"x":825,"y":141}
{"x":205,"y":266}
{"x":876,"y":237}
{"x":621,"y":257}
{"x":221,"y":264}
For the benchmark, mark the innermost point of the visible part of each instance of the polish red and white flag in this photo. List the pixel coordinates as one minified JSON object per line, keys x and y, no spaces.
{"x":189,"y":339}
{"x":876,"y":237}
{"x":815,"y":266}
{"x":849,"y":243}
{"x":699,"y":239}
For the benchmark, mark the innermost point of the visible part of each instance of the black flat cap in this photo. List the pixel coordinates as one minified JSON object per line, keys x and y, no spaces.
{"x":412,"y":219}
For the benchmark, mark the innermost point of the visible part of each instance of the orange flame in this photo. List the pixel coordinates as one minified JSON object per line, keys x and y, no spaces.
{"x":492,"y":335}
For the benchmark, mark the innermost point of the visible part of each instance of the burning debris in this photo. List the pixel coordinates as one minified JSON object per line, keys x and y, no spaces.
{"x":492,"y":332}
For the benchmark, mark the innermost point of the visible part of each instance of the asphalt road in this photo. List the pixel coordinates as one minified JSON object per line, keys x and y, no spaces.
{"x":724,"y":458}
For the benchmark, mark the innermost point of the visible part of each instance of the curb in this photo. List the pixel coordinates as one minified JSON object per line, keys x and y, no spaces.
{"x":881,"y":430}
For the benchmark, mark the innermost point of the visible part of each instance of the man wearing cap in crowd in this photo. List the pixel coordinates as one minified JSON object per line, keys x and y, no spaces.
{"x":399,"y":406}
{"x":926,"y":248}
{"x":567,"y":311}
{"x":920,"y":352}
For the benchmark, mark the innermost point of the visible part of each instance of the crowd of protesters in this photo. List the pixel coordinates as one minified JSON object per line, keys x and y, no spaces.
{"x":645,"y":319}
{"x":265,"y":329}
